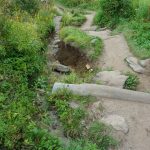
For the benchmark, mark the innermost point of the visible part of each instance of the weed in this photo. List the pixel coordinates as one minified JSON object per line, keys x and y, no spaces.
{"x":132,"y":82}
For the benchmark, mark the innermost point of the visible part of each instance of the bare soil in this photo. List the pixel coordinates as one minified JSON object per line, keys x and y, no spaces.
{"x":73,"y":57}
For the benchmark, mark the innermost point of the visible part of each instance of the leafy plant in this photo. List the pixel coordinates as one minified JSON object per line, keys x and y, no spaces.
{"x":132,"y":82}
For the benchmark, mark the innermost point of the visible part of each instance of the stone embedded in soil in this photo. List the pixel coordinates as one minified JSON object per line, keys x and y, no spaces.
{"x":111,"y":78}
{"x":95,"y":111}
{"x":74,"y":105}
{"x":134,"y":64}
{"x":61,"y":68}
{"x":117,"y":122}
{"x":144,"y":63}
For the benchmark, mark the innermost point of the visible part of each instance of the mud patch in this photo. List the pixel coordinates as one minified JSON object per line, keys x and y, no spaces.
{"x":73,"y":57}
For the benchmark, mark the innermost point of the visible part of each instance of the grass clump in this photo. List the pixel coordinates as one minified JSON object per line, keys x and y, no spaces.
{"x":100,"y":134}
{"x":132,"y":82}
{"x":72,"y":19}
{"x":89,"y":45}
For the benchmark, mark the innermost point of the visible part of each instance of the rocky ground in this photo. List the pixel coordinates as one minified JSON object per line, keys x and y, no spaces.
{"x":131,"y":120}
{"x":136,"y":115}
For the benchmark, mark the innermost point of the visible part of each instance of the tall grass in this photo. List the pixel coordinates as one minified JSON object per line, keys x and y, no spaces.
{"x":142,"y":8}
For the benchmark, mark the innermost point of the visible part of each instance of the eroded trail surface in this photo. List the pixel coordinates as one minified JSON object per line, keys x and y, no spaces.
{"x":115,"y":51}
{"x":137,"y":115}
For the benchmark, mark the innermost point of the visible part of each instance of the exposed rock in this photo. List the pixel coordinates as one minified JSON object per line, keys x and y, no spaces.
{"x":61,"y":68}
{"x":74,"y":105}
{"x":135,"y":66}
{"x":56,"y":41}
{"x":117,"y":122}
{"x":145,"y":63}
{"x":93,"y":41}
{"x":111,"y":78}
{"x":96,"y":111}
{"x":104,"y":91}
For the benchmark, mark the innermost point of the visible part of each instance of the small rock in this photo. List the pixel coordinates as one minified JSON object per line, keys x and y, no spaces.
{"x":144,"y":63}
{"x":61,"y":68}
{"x":96,"y":111}
{"x":93,"y":41}
{"x":135,"y":66}
{"x":111,"y":78}
{"x":56,"y":41}
{"x":74,"y":105}
{"x":117,"y":122}
{"x":88,"y":66}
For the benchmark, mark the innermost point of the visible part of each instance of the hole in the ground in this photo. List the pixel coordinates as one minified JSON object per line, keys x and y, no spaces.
{"x":71,"y":56}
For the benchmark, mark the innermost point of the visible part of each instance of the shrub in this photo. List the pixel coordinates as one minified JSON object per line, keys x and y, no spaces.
{"x":31,"y":6}
{"x":112,"y":10}
{"x":44,"y":21}
{"x":23,"y":38}
{"x":132,"y":82}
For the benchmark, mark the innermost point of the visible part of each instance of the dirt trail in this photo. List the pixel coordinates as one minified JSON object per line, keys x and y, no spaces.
{"x":115,"y":51}
{"x":137,"y":115}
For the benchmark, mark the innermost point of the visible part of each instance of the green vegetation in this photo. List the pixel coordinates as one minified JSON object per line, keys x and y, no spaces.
{"x":110,"y":12}
{"x":137,"y":36}
{"x":81,"y":4}
{"x":97,"y":137}
{"x":99,"y":133}
{"x":72,"y":19}
{"x":132,"y":82}
{"x":22,"y":33}
{"x":118,"y":14}
{"x":91,"y":46}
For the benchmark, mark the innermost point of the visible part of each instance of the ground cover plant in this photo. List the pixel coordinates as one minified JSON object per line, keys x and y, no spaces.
{"x":91,"y":46}
{"x":132,"y":81}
